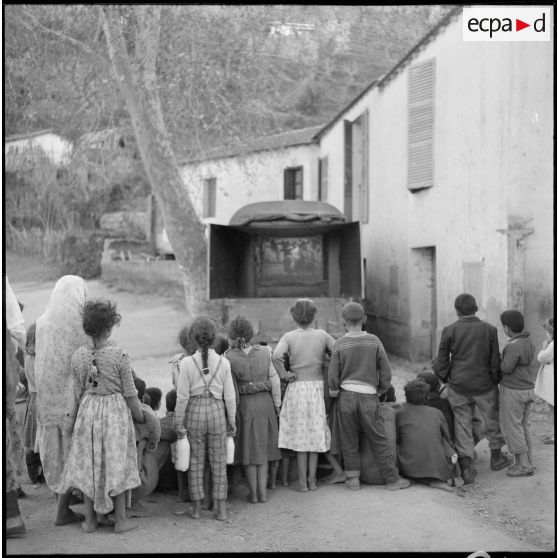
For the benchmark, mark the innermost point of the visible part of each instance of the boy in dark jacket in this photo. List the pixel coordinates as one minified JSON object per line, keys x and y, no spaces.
{"x":360,"y":370}
{"x":469,"y":361}
{"x":517,"y":392}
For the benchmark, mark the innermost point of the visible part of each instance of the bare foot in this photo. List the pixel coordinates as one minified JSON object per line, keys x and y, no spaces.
{"x":285,"y":483}
{"x":302,"y":487}
{"x":182,"y":498}
{"x":137,"y":510}
{"x":124,"y":526}
{"x":69,"y":516}
{"x":312,"y":485}
{"x":442,"y":486}
{"x":251,"y":499}
{"x":89,"y":526}
{"x":335,"y":478}
{"x":196,"y":508}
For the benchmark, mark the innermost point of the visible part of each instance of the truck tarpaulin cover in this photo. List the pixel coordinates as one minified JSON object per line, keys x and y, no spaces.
{"x":297,"y":211}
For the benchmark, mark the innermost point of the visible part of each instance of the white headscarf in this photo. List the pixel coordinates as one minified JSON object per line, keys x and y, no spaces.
{"x":59,"y":333}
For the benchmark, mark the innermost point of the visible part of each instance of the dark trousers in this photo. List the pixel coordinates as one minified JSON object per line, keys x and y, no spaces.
{"x":361,"y":411}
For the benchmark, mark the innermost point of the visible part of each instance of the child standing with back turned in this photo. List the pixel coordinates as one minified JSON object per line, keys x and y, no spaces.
{"x":360,"y":369}
{"x":102,"y":462}
{"x":302,"y":423}
{"x":517,"y":392}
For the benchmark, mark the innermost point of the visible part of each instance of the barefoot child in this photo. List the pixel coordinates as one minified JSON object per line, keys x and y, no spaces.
{"x":260,"y":400}
{"x":205,"y":412}
{"x":302,"y":423}
{"x":102,"y":459}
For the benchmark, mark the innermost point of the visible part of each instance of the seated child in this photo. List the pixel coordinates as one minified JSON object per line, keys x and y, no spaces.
{"x":425,"y":449}
{"x":155,"y":395}
{"x":433,"y":398}
{"x":147,"y":440}
{"x":517,"y":392}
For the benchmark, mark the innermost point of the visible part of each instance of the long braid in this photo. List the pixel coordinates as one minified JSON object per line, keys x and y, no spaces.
{"x":203,"y":333}
{"x":204,"y":354}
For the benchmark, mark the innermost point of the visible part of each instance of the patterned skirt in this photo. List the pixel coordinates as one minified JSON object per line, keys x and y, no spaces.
{"x":103,"y":460}
{"x":303,"y":424}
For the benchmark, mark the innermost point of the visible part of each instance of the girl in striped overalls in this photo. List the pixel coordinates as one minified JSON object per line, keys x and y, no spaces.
{"x":205,"y":412}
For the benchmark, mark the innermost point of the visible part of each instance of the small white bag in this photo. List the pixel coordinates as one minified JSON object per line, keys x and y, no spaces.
{"x":230,"y":450}
{"x":182,"y":454}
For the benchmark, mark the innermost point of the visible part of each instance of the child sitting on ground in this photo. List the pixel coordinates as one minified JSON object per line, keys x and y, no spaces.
{"x":360,"y":370}
{"x":155,"y":396}
{"x":205,"y":412}
{"x":102,"y":461}
{"x":517,"y":392}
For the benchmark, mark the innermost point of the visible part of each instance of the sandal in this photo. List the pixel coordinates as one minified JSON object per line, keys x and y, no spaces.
{"x":519,"y":472}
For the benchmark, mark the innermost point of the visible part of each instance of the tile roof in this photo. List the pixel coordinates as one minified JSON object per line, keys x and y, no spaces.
{"x":291,"y":138}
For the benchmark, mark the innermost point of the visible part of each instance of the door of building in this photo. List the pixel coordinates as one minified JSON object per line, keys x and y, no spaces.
{"x":422,"y":303}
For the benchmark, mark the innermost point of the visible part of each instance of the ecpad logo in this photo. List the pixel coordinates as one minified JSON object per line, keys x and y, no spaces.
{"x":507,"y":23}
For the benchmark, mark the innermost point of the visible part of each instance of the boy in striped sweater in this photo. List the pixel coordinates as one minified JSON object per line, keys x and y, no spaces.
{"x":360,"y":370}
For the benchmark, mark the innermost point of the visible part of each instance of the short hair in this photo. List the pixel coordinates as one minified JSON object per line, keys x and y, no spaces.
{"x":155,"y":395}
{"x":416,"y":392}
{"x":430,"y":379}
{"x":30,"y":340}
{"x":140,"y":386}
{"x":513,"y":319}
{"x":185,"y":340}
{"x":353,"y":313}
{"x":388,"y":396}
{"x":221,"y":344}
{"x":99,"y":315}
{"x":170,"y":400}
{"x":241,"y":328}
{"x":304,"y":311}
{"x":465,"y":304}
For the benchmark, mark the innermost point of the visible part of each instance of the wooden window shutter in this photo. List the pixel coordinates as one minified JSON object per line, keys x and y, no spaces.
{"x":322,"y":178}
{"x":421,"y":90}
{"x":364,"y":201}
{"x":209,"y":197}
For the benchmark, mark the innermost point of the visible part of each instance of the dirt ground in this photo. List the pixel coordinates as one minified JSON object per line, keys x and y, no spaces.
{"x":498,"y":513}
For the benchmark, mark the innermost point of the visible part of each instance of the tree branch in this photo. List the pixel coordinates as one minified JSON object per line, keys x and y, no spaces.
{"x":31,"y":23}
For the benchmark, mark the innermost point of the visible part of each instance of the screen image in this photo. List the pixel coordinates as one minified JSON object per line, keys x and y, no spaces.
{"x":288,"y":261}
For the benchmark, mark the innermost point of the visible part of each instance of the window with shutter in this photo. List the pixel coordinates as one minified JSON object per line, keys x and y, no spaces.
{"x":209,"y":197}
{"x":421,"y":90}
{"x":322,"y":178}
{"x":293,"y":183}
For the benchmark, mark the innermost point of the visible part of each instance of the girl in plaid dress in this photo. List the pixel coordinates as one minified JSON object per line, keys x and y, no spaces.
{"x":205,"y":412}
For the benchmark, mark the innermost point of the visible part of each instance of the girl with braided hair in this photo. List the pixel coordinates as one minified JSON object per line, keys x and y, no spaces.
{"x":260,"y":391}
{"x":205,"y":412}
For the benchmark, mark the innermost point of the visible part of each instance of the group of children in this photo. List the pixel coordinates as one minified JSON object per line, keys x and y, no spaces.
{"x":224,"y":388}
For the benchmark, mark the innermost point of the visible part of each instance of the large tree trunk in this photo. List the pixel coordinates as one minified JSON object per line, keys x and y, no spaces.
{"x":136,"y":79}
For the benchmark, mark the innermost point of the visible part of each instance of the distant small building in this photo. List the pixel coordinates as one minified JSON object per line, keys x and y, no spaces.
{"x":25,"y":151}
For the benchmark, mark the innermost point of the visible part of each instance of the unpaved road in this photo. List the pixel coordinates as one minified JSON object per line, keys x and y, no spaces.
{"x":497,"y":514}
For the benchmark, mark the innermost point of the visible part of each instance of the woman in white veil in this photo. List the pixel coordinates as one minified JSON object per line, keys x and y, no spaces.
{"x":59,"y":333}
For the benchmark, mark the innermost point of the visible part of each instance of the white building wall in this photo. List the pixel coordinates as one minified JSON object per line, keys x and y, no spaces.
{"x":255,"y":177}
{"x":493,"y":166}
